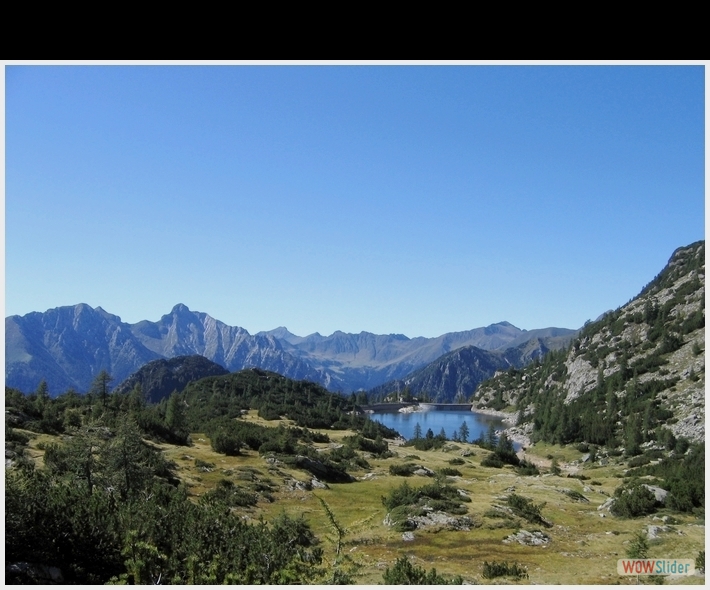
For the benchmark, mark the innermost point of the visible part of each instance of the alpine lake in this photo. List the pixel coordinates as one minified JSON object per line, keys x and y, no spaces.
{"x":435,"y":419}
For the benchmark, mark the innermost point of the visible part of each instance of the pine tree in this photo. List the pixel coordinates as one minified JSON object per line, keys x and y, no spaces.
{"x":100,"y":385}
{"x":175,"y":413}
{"x":464,"y":432}
{"x":491,"y":438}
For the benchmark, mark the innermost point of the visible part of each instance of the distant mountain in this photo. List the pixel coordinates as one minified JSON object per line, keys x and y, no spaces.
{"x":366,"y":360}
{"x":159,"y":378}
{"x":456,"y":375}
{"x":69,"y":346}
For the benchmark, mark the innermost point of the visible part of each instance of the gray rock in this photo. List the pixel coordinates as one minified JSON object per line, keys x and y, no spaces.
{"x":607,"y":505}
{"x":653,"y":531}
{"x":659,"y":493}
{"x":319,"y":484}
{"x":534,"y":539}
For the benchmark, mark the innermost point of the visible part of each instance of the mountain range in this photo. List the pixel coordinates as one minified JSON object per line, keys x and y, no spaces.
{"x":69,"y":346}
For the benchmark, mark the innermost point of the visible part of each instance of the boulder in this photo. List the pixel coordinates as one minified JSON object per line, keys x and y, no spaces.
{"x":659,"y":493}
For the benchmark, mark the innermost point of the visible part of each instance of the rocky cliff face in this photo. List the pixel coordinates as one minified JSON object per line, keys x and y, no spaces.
{"x":69,"y":346}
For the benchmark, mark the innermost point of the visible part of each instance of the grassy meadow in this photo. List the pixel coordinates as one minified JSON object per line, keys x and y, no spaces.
{"x":584,"y":543}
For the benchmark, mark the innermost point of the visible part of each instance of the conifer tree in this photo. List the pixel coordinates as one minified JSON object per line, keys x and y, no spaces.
{"x":464,"y":432}
{"x":100,"y":385}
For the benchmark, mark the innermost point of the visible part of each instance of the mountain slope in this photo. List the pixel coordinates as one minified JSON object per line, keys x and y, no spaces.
{"x":630,"y":378}
{"x":159,"y":378}
{"x":68,"y":347}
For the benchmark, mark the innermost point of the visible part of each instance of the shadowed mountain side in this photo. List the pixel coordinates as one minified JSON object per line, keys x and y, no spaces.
{"x":158,"y":379}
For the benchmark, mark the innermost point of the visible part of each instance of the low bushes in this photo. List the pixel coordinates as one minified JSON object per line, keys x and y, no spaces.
{"x":499,"y":569}
{"x":525,"y":508}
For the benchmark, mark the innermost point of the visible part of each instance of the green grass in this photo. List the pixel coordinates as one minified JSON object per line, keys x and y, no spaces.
{"x":584,"y":547}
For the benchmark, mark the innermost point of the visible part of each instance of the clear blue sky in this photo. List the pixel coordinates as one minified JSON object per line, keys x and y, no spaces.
{"x":391,"y":199}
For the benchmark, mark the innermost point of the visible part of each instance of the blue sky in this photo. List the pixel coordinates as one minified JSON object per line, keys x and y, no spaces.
{"x":391,"y":199}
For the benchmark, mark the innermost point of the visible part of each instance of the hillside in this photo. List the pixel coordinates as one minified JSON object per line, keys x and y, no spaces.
{"x":158,"y":379}
{"x":632,"y":378}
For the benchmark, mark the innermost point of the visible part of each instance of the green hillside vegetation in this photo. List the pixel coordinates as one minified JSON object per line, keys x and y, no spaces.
{"x":103,"y":499}
{"x":159,"y":378}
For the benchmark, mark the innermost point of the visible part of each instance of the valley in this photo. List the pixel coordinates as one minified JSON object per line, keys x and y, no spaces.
{"x":188,"y":473}
{"x":581,"y":545}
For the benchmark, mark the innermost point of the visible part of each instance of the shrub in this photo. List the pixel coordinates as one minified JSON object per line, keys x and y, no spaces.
{"x":638,"y":547}
{"x":498,"y":569}
{"x":403,"y":572}
{"x":449,"y":471}
{"x":525,"y":508}
{"x":400,"y":496}
{"x":404,"y":470}
{"x":527,"y":468}
{"x":700,"y":562}
{"x":226,"y":442}
{"x":12,"y":435}
{"x":492,"y":460}
{"x":633,"y":501}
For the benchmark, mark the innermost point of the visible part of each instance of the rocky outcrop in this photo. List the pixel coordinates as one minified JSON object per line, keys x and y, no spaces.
{"x":530,"y":539}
